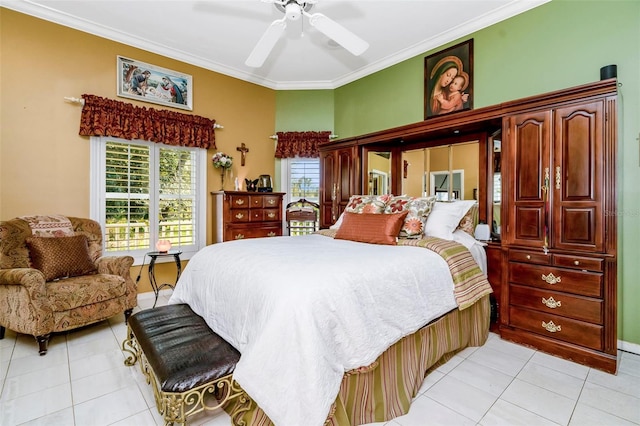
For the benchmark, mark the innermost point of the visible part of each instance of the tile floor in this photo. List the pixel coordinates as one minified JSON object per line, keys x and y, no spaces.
{"x":82,"y":381}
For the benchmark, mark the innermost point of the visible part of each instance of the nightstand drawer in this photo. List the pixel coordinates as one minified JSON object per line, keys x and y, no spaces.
{"x":265,"y":215}
{"x":239,"y":201}
{"x":563,"y":304}
{"x":557,"y":279}
{"x":257,"y":232}
{"x":557,"y":327}
{"x":239,"y":215}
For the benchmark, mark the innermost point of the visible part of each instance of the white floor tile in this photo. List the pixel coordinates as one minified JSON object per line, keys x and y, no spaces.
{"x":425,"y":410}
{"x":497,"y":360}
{"x":510,"y":348}
{"x":611,"y":401}
{"x":33,"y":406}
{"x":34,"y":362}
{"x":503,"y":413}
{"x":621,"y":382}
{"x":100,"y":411}
{"x":629,"y":364}
{"x":486,"y":379}
{"x":100,"y":384}
{"x":36,"y":381}
{"x":542,"y":402}
{"x":144,"y":418}
{"x":460,"y":397}
{"x":552,"y":380}
{"x":108,"y":360}
{"x":59,"y":418}
{"x":585,"y":415}
{"x":562,"y":365}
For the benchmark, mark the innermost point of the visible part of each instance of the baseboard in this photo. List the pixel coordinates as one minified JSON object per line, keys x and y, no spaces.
{"x":634,"y":348}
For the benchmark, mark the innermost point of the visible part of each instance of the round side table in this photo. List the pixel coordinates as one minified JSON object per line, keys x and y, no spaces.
{"x":154,"y":255}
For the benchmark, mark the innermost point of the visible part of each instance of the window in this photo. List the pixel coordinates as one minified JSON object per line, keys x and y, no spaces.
{"x":301,"y":178}
{"x":134,"y":182}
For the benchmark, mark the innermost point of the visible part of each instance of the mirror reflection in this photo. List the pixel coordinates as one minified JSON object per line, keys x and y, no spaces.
{"x":497,"y":185}
{"x":379,"y":173}
{"x":450,"y":172}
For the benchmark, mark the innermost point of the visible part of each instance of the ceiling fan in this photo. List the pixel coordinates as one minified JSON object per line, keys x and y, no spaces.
{"x":294,"y":10}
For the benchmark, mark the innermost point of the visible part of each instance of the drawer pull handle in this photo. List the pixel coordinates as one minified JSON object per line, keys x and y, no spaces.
{"x":551,"y":303}
{"x":551,"y":327}
{"x":239,"y":215}
{"x":271,"y":234}
{"x":576,"y":262}
{"x":551,"y":279}
{"x":528,"y":257}
{"x":239,"y":236}
{"x":239,"y":202}
{"x":271,"y":215}
{"x":272,"y":202}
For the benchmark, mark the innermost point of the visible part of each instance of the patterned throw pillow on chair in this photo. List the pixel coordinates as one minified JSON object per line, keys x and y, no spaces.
{"x":61,"y":257}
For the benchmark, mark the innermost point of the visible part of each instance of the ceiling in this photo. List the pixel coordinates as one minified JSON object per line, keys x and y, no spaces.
{"x":219,"y":34}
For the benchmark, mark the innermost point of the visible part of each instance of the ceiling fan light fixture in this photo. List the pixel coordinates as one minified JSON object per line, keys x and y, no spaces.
{"x":293,"y":11}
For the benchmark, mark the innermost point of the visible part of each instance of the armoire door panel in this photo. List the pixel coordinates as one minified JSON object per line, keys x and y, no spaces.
{"x":529,"y":224}
{"x":529,"y":156}
{"x":578,"y":176}
{"x":578,"y":226}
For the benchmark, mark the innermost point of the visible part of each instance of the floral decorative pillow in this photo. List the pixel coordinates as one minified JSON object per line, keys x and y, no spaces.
{"x":470,"y":220}
{"x":367,"y":203}
{"x":418,"y":210}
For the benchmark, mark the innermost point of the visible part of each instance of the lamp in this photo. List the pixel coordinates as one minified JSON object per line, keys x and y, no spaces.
{"x":163,"y":246}
{"x":482,"y":232}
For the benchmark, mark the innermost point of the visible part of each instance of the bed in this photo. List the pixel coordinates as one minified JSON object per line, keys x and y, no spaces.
{"x":336,"y":331}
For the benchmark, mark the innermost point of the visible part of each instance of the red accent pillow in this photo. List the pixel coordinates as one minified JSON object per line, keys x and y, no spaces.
{"x":371,"y":227}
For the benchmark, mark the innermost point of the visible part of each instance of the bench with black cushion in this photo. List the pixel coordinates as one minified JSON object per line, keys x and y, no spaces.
{"x":189,"y":366}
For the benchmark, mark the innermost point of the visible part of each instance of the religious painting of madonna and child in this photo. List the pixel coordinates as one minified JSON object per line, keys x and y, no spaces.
{"x":149,"y":83}
{"x":448,"y":80}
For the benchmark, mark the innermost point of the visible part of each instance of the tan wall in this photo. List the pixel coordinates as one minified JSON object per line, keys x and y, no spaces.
{"x":44,"y":164}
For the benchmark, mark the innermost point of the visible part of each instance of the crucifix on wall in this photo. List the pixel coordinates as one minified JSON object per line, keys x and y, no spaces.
{"x":243,"y":152}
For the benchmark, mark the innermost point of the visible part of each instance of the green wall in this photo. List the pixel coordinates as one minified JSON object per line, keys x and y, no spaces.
{"x":561,"y":44}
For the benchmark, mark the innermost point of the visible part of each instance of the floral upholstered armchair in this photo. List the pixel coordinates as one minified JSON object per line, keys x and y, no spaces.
{"x":53,"y":277}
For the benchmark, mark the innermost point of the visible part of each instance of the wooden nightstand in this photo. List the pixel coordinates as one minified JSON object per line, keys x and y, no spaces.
{"x":494,"y":274}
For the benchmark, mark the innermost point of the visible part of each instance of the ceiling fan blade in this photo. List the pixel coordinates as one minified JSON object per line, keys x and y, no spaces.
{"x":266,"y":43}
{"x":338,"y":33}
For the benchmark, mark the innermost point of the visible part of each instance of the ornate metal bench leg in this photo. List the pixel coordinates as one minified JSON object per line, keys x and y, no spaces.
{"x":133,"y":349}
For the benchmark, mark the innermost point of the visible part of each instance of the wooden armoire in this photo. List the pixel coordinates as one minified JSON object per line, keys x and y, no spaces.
{"x":554,"y":266}
{"x":559,"y":227}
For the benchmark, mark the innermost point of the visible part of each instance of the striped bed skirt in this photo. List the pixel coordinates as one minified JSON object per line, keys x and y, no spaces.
{"x":384,"y":390}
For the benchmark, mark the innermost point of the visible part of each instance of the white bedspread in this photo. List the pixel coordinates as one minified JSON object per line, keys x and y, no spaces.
{"x":303,"y":310}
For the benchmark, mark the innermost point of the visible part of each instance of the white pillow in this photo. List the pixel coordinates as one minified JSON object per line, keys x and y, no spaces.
{"x":445,"y":217}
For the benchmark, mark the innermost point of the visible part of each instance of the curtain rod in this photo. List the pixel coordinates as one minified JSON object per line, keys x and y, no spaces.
{"x":80,"y":101}
{"x":275,"y":137}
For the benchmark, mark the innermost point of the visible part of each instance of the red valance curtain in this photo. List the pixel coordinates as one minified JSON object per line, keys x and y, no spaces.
{"x":300,"y":144}
{"x":107,"y":117}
